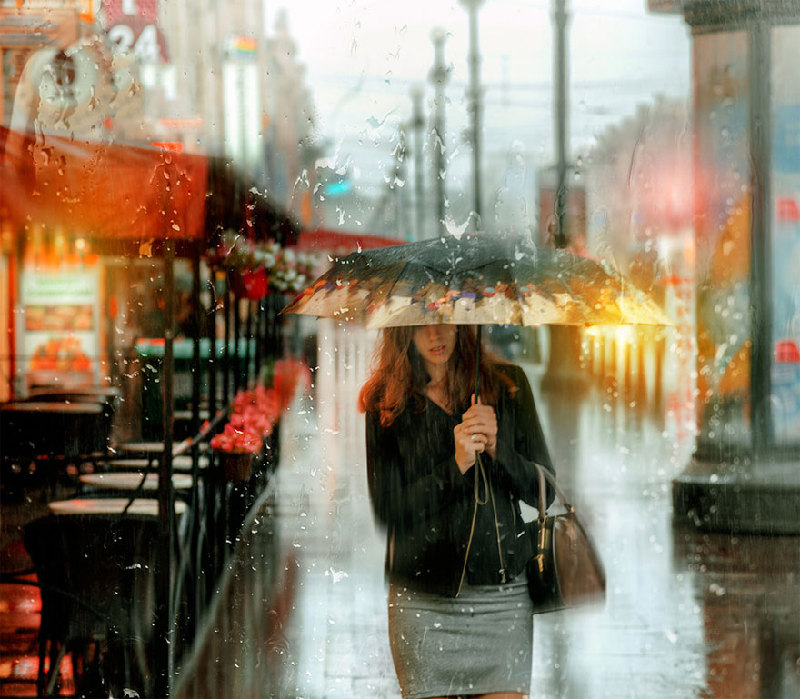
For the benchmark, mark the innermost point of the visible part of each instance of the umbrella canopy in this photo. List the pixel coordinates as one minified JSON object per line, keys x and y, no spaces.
{"x":474,"y":280}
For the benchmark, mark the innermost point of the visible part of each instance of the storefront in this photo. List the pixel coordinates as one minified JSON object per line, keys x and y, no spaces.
{"x":746,"y":469}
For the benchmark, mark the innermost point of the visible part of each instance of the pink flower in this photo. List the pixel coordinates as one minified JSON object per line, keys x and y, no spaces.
{"x":236,"y":441}
{"x":254,"y":412}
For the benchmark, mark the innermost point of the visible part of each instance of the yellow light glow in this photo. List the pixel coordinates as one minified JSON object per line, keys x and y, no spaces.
{"x":624,"y":334}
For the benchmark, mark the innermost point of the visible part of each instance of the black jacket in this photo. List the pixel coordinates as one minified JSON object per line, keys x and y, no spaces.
{"x":427,"y":505}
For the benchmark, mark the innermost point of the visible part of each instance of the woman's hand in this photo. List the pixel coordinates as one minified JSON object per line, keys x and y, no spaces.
{"x":482,"y":420}
{"x":477,"y":432}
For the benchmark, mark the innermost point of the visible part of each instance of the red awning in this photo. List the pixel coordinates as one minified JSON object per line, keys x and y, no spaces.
{"x":337,"y":241}
{"x":104,"y":190}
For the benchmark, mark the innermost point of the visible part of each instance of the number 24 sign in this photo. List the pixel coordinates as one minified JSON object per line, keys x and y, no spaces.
{"x":145,"y":40}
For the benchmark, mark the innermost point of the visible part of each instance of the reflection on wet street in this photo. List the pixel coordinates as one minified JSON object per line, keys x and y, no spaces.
{"x":302,"y":613}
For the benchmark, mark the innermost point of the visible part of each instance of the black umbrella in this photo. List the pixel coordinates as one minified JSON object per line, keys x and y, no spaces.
{"x":474,"y":280}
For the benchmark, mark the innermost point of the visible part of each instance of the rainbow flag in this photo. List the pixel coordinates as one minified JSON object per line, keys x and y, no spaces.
{"x":243,"y":46}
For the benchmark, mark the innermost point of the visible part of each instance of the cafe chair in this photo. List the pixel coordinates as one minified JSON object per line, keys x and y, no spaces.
{"x":97,"y":589}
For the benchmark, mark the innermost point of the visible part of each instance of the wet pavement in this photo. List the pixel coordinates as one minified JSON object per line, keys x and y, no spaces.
{"x":301,"y":611}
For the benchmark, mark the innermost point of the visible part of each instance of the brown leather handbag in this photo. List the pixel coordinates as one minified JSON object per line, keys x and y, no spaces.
{"x":565,"y":570}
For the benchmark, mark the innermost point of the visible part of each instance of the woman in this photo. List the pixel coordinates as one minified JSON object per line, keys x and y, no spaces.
{"x":446,"y":470}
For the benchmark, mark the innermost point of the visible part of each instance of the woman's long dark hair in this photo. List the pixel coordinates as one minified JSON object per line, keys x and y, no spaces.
{"x":399,"y":375}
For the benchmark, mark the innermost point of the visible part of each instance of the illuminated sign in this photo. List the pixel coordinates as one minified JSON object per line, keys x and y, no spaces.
{"x":133,"y":26}
{"x":32,"y":28}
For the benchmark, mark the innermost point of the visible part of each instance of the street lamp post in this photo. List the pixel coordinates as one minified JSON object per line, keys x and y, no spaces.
{"x":398,"y":186}
{"x":417,"y":124}
{"x":560,"y":64}
{"x":563,"y":367}
{"x":439,"y":75}
{"x":476,"y":106}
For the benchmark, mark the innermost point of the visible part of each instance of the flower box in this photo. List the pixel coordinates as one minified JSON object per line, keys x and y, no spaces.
{"x":253,"y":417}
{"x":236,"y":467}
{"x":258,"y":268}
{"x":250,"y":283}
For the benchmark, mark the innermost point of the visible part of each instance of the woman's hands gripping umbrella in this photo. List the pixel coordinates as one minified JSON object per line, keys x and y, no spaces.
{"x":476,"y":433}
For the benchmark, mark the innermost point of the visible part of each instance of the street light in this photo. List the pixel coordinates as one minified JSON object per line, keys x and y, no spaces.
{"x":565,"y":342}
{"x":560,"y":47}
{"x":417,"y":124}
{"x":439,"y":75}
{"x":474,"y":93}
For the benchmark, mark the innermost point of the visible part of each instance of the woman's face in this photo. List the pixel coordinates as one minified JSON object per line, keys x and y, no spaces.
{"x":435,"y":344}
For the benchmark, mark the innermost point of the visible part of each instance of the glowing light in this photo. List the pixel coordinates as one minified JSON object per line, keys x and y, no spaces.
{"x":624,"y":334}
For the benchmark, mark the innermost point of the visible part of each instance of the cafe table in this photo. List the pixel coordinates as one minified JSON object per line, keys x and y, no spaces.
{"x":130,"y":481}
{"x":91,"y":507}
{"x":128,"y":453}
{"x":75,"y":394}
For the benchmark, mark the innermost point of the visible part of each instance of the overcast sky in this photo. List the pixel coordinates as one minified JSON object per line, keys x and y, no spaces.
{"x":363,"y":56}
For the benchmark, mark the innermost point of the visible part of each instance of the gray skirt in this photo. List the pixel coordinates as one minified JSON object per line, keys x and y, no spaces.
{"x":476,"y":643}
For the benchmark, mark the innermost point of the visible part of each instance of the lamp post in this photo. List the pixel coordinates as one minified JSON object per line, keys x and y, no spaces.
{"x":417,"y":124}
{"x":400,"y":175}
{"x":476,"y":107}
{"x":560,"y":66}
{"x":438,"y":76}
{"x":563,"y":367}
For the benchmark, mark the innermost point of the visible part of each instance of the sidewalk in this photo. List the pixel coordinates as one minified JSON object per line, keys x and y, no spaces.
{"x":301,"y":612}
{"x":682,"y":618}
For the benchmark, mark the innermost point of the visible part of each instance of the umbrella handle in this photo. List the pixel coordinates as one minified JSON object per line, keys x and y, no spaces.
{"x":478,"y":362}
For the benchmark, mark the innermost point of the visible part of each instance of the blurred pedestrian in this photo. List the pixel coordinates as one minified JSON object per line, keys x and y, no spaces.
{"x":446,"y":470}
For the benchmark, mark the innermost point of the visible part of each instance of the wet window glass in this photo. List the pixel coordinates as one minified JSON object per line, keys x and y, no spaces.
{"x":724,"y":339}
{"x":378,"y":349}
{"x":786,"y":238}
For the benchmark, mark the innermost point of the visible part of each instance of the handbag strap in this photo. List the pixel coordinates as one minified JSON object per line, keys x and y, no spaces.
{"x":479,"y":471}
{"x":546,"y":476}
